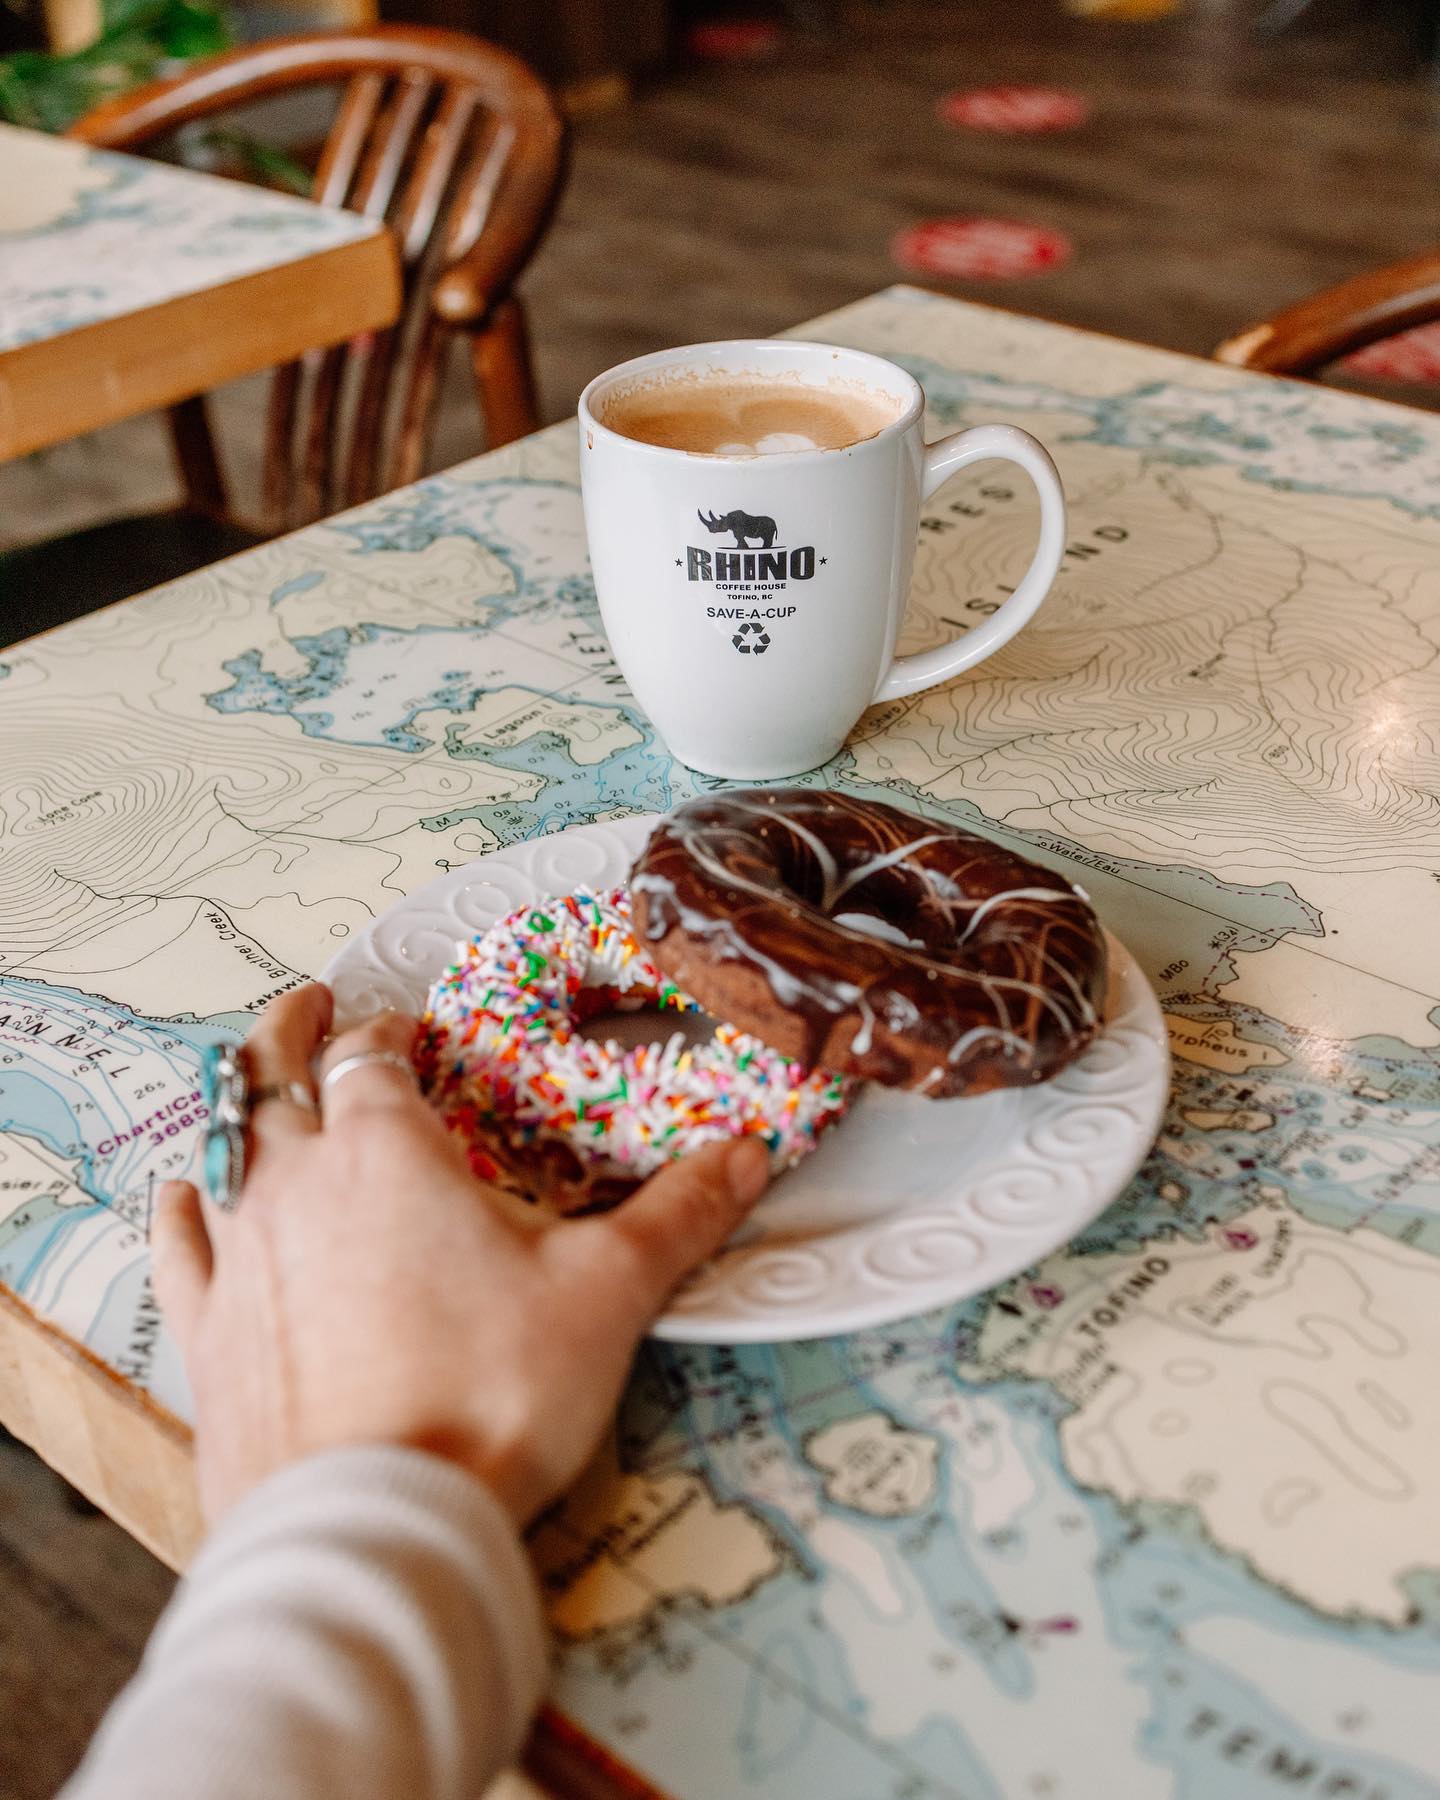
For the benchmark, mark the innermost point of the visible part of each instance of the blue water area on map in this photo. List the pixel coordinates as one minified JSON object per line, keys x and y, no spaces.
{"x":1333,"y":1152}
{"x":727,"y":1388}
{"x":70,"y":1103}
{"x":53,"y":998}
{"x":1255,"y":1752}
{"x":1157,"y":1577}
{"x":372,"y":682}
{"x":1162,"y":1585}
{"x":529,"y":525}
{"x":117,"y":1307}
{"x":26,"y":1252}
{"x":32,"y":1105}
{"x":1267,"y":437}
{"x":636,"y":1696}
{"x":298,"y":584}
{"x":639,"y":778}
{"x":255,"y":689}
{"x":776,"y":1723}
{"x":360,"y":689}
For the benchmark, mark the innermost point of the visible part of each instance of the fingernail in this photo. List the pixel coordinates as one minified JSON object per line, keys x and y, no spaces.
{"x":748,"y":1169}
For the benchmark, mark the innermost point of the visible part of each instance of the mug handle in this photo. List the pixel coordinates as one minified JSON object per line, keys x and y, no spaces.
{"x":981,"y":443}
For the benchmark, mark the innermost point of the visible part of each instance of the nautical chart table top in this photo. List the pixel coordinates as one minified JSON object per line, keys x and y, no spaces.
{"x":1156,"y":1518}
{"x":126,"y":284}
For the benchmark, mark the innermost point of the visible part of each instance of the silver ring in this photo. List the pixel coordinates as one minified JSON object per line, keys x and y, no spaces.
{"x":295,"y":1093}
{"x":390,"y":1059}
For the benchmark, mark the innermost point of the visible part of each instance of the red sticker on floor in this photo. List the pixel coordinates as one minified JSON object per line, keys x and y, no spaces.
{"x":1123,"y":9}
{"x":1015,"y":109}
{"x":1412,"y":356}
{"x":979,"y":248}
{"x":733,"y":40}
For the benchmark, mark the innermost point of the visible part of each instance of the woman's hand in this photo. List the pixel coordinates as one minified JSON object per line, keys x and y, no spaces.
{"x":368,"y":1289}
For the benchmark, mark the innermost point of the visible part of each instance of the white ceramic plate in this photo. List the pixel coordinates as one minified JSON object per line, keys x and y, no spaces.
{"x":908,"y":1203}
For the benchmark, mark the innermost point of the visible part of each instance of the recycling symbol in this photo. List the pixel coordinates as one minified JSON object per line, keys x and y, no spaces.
{"x":751,"y":638}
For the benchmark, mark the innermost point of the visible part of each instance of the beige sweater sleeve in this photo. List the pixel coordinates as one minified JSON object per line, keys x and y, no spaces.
{"x":364,"y":1623}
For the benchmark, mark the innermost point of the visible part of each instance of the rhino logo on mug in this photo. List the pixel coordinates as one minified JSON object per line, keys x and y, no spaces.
{"x":744,"y":525}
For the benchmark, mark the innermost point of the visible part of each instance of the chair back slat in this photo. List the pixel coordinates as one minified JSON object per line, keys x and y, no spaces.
{"x":345,"y":145}
{"x":333,"y":400}
{"x":389,"y":360}
{"x":458,"y":148}
{"x":480,"y":186}
{"x":434,"y":173}
{"x":391,"y":141}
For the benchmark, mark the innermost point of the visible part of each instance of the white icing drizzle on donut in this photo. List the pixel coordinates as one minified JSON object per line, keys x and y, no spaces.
{"x":1052,"y":986}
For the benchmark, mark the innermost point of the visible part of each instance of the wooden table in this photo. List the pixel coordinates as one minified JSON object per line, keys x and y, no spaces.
{"x":126,"y":284}
{"x":1160,"y":1510}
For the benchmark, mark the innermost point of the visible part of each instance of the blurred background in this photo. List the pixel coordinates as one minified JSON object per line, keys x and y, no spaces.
{"x":1190,"y":166}
{"x":1167,"y":172}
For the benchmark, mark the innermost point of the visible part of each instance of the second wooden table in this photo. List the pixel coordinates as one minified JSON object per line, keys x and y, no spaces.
{"x":127,"y":285}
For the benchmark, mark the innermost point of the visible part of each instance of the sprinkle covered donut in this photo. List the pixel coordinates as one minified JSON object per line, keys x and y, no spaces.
{"x":553,"y":1114}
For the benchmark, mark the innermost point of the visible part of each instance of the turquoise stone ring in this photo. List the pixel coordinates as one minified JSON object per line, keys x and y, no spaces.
{"x":225,"y":1084}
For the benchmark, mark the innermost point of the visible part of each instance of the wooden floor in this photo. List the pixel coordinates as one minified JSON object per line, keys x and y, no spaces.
{"x":1218,"y":180}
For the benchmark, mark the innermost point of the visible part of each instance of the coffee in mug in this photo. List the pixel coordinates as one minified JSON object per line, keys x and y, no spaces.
{"x":752,"y":510}
{"x":713,"y":415}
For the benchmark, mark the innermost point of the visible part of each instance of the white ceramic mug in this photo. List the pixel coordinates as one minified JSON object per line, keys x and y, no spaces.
{"x":753,"y":601}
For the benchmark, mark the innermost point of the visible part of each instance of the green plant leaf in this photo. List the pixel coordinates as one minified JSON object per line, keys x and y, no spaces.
{"x":137,"y":38}
{"x":188,"y":31}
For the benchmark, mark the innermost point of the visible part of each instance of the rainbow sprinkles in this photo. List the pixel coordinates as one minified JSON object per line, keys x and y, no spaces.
{"x":543,"y":1109}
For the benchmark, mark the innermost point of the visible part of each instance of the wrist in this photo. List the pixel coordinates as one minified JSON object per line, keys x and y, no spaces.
{"x":509,"y":1474}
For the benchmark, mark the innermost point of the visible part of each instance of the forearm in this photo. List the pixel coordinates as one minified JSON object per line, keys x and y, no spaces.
{"x":364,"y":1623}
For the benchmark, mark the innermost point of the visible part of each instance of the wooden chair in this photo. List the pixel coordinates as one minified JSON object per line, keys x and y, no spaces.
{"x":1329,"y":325}
{"x":460,"y":147}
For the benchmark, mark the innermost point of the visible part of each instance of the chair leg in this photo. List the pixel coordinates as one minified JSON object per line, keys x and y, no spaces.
{"x":500,"y":351}
{"x":197,"y":460}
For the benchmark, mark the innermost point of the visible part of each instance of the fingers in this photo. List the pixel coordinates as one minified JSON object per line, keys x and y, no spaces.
{"x":646,"y":1247}
{"x":180,"y":1256}
{"x":279,"y":1050}
{"x":373,"y":1085}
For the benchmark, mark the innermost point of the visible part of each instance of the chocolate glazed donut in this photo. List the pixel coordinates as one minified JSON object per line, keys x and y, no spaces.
{"x":854,"y":937}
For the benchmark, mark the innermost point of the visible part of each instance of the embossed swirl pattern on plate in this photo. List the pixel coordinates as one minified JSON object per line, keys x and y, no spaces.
{"x":476,"y":905}
{"x":1080,"y":1132}
{"x":919,"y":1247}
{"x":598,"y":856}
{"x":1067,"y":1149}
{"x":1027,"y":1195}
{"x":762,"y":1281}
{"x":360,"y":992}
